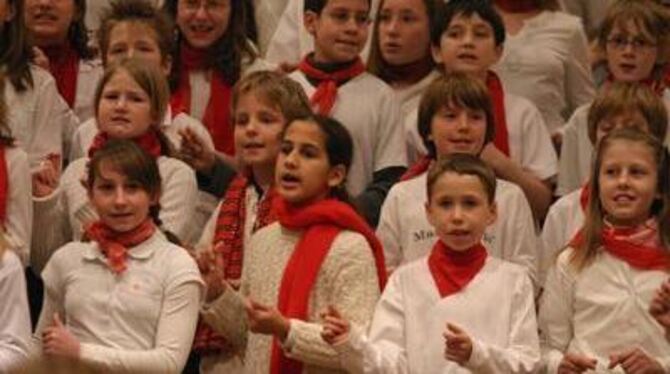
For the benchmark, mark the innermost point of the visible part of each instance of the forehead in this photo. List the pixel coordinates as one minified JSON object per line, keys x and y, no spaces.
{"x":258,"y":98}
{"x":452,"y":184}
{"x":630,"y":26}
{"x":628,"y":152}
{"x":471,"y":20}
{"x":348,"y":5}
{"x":626,"y":114}
{"x":121,"y":79}
{"x":133,"y":30}
{"x":415,"y":5}
{"x":305,"y":132}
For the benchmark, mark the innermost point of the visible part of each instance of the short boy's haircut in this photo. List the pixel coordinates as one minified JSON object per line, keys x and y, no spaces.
{"x":467,"y":8}
{"x":463,"y":164}
{"x":453,"y":89}
{"x":140,"y":12}
{"x":317,"y":6}
{"x":627,"y":97}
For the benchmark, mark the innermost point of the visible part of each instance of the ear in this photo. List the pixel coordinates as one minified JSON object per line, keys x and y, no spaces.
{"x":429,"y":213}
{"x":493,"y":210}
{"x":310,"y":21}
{"x":154,"y":198}
{"x":336,"y":175}
{"x":436,"y":52}
{"x":498,"y":53}
{"x":166,"y":65}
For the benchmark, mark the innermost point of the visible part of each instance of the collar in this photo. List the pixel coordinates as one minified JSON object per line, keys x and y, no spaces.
{"x":141,"y":252}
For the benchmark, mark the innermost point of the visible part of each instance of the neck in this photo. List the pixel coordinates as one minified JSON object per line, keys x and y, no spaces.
{"x":517,"y":6}
{"x":263,"y":176}
{"x":327,"y":65}
{"x":407,"y":74}
{"x":50,"y":42}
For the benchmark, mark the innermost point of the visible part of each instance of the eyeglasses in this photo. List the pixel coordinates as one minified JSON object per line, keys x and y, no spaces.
{"x":637,"y":43}
{"x":210,"y":6}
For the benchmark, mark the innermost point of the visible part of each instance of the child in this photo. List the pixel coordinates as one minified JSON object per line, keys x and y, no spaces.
{"x":456,"y":289}
{"x":131,"y":100}
{"x":632,"y":38}
{"x":263,"y":103}
{"x":334,"y":78}
{"x":58,"y":29}
{"x":135,"y":28}
{"x":319,"y":253}
{"x":545,"y":59}
{"x":594,"y":312}
{"x":455,"y":116}
{"x":468,"y":38}
{"x":622,"y":105}
{"x":128,"y":299}
{"x":212,"y":54}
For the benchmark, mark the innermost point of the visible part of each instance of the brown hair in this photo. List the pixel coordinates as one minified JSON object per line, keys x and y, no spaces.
{"x":276,"y":90}
{"x":15,"y":51}
{"x":139,"y":12}
{"x":463,"y":164}
{"x":628,"y":97}
{"x":6,"y":138}
{"x":548,"y":4}
{"x":585,"y":252}
{"x":455,"y":89}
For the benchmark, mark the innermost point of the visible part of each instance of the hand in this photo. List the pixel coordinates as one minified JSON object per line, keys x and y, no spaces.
{"x":40,"y":59}
{"x":635,"y":361}
{"x":576,"y":363}
{"x":211,"y":265}
{"x":660,"y":306}
{"x":264,"y":319}
{"x":195,"y":152}
{"x":493,"y":157}
{"x":458,"y":345}
{"x":335,"y":327}
{"x":45,"y":180}
{"x":286,"y":67}
{"x":58,"y":341}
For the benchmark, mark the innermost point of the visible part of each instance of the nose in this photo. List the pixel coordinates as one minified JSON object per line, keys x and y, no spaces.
{"x":201,"y":11}
{"x":120,"y":103}
{"x":457,"y":213}
{"x":291,"y":160}
{"x":623,"y":179}
{"x":120,"y":197}
{"x":391,"y":26}
{"x":462,"y":122}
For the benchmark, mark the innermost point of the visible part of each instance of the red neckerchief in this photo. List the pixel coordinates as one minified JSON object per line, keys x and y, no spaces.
{"x":229,"y":241}
{"x":621,"y":243}
{"x":453,"y":270}
{"x":497,"y":93}
{"x":517,"y":6}
{"x":149,"y":142}
{"x":321,"y":222}
{"x":418,"y":168}
{"x":326,"y":90}
{"x":585,"y":195}
{"x":4,"y":185}
{"x":217,"y":113}
{"x":114,"y":245}
{"x":64,"y":67}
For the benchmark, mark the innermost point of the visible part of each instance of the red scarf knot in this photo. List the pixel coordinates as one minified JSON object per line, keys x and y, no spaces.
{"x":64,"y":67}
{"x":326,"y":91}
{"x":148,"y":141}
{"x":114,"y":245}
{"x":321,"y":221}
{"x":517,"y":6}
{"x":418,"y":168}
{"x":453,"y":270}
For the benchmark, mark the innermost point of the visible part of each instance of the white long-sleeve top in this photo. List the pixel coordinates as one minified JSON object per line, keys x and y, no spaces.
{"x":19,"y":221}
{"x":14,"y":313}
{"x":38,"y":117}
{"x":89,"y":74}
{"x":547,"y":62}
{"x":369,"y":109}
{"x":347,"y":279}
{"x":564,"y":219}
{"x":406,"y":234}
{"x":603,"y":309}
{"x":591,"y":12}
{"x":142,"y":320}
{"x":60,"y":217}
{"x":496,"y":310}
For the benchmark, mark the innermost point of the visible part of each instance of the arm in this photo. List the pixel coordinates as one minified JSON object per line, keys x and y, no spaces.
{"x":19,"y":220}
{"x":14,"y":314}
{"x":178,"y":197}
{"x":522,"y":355}
{"x":51,"y":228}
{"x":227,"y":315}
{"x":53,"y":121}
{"x":217,"y":179}
{"x":371,"y":199}
{"x":389,"y":230}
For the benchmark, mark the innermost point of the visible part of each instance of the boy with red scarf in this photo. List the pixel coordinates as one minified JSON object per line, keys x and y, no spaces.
{"x":455,"y":290}
{"x":335,"y":80}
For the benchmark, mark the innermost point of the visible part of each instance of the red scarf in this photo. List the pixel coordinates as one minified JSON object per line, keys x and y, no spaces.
{"x":217,"y":114}
{"x":229,"y":241}
{"x":64,"y":67}
{"x":453,"y":270}
{"x":517,"y":6}
{"x":326,"y":91}
{"x":149,"y":142}
{"x":497,"y":93}
{"x":625,"y":244}
{"x":322,"y":221}
{"x":417,"y":169}
{"x":114,"y":245}
{"x":4,"y":185}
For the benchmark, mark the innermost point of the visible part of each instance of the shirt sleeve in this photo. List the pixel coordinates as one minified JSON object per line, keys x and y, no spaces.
{"x":178,"y":198}
{"x":579,"y":86}
{"x":388,"y":231}
{"x":51,"y":227}
{"x":285,"y":43}
{"x":14,"y":314}
{"x":19,"y":220}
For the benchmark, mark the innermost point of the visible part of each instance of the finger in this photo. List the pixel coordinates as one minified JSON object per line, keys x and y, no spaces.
{"x":455,"y":329}
{"x":56,"y":320}
{"x":332,"y":311}
{"x":583,"y":362}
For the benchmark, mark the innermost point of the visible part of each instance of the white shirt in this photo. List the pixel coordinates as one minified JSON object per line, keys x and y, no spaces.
{"x":14,"y":313}
{"x":406,"y":234}
{"x":547,"y":62}
{"x":591,"y":12}
{"x":90,"y":73}
{"x":142,"y":320}
{"x":406,"y":331}
{"x":530,"y":144}
{"x":368,"y":108}
{"x":19,"y":221}
{"x":60,"y":217}
{"x":410,"y":98}
{"x":267,"y":15}
{"x":601,"y":310}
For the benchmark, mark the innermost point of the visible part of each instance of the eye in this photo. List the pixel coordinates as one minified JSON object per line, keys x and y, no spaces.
{"x":104,"y":186}
{"x":362,"y":19}
{"x":385,"y":17}
{"x":241,"y":119}
{"x":454,"y":33}
{"x":470,"y":202}
{"x":286,"y":148}
{"x":445,"y":203}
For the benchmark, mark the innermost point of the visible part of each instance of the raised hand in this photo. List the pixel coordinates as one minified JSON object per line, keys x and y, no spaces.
{"x":457,"y":344}
{"x":58,"y":341}
{"x":335,"y":327}
{"x":267,"y":320}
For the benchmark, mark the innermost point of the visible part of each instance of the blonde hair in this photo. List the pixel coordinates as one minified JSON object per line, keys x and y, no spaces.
{"x":627,"y":97}
{"x":585,"y":251}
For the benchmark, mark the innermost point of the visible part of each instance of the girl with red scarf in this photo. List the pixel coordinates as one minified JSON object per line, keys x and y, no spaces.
{"x":131,"y":101}
{"x":320,"y":252}
{"x":457,"y":309}
{"x":125,"y":299}
{"x":264,"y":103}
{"x":595,"y":307}
{"x":58,"y":31}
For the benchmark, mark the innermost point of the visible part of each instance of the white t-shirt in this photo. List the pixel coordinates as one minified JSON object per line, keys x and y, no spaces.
{"x":19,"y":222}
{"x":14,"y":313}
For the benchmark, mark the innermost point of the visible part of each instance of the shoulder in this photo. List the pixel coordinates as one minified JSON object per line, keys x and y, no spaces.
{"x":91,"y":67}
{"x":350,"y":247}
{"x":69,"y":256}
{"x":369,"y":85}
{"x":75,"y":169}
{"x":507,"y":190}
{"x":413,"y":188}
{"x":10,"y":264}
{"x":17,"y":158}
{"x":40,"y":76}
{"x":517,"y":106}
{"x":558,"y":20}
{"x":169,"y":166}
